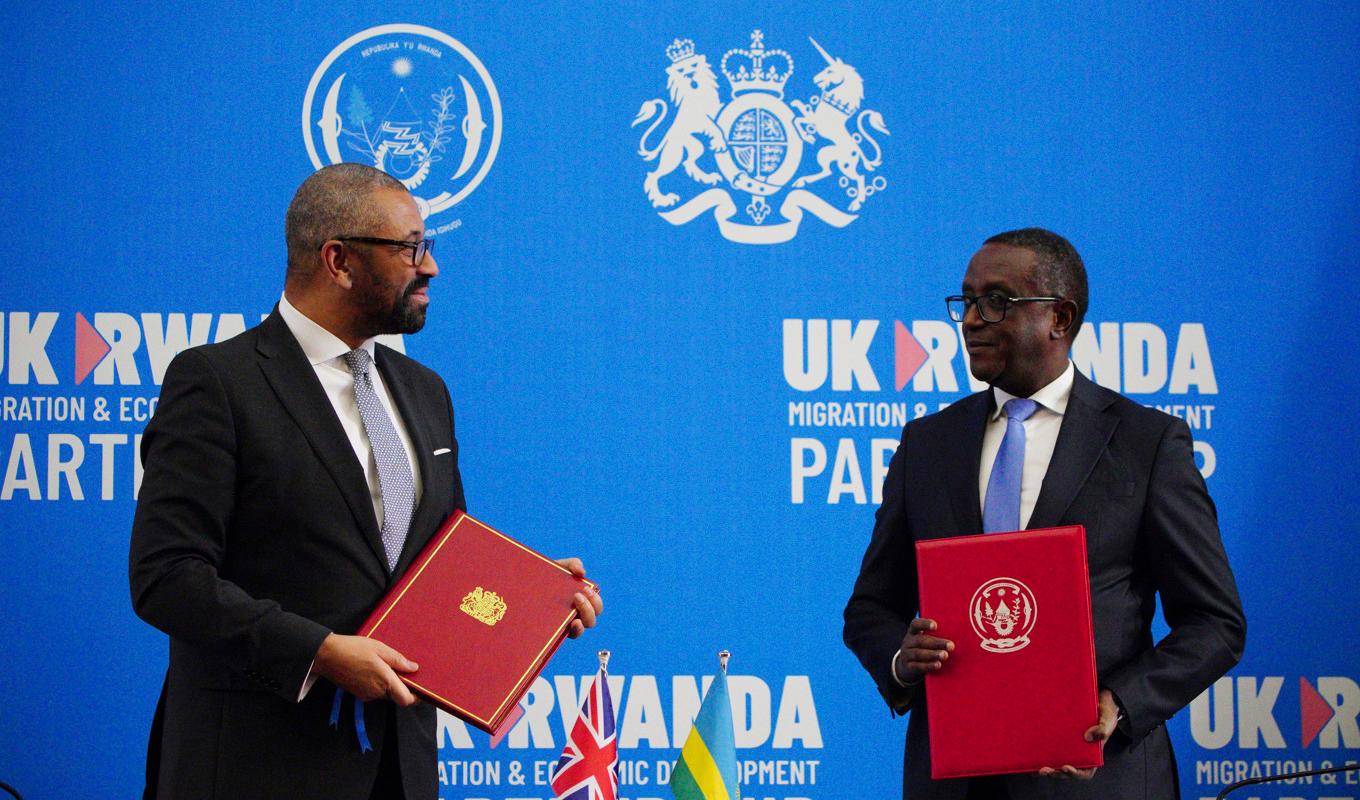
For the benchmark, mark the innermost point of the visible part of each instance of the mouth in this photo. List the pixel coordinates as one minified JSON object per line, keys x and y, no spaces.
{"x":420,"y":290}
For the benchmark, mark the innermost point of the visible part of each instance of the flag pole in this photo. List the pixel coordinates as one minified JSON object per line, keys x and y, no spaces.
{"x":723,"y":657}
{"x":604,"y":661}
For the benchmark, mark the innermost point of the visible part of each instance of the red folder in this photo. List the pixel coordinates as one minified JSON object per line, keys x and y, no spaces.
{"x":481,"y":614}
{"x":1019,"y":690}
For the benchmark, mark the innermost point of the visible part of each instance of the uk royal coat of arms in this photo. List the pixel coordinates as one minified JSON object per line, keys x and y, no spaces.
{"x":751,"y":151}
{"x":483,"y":605}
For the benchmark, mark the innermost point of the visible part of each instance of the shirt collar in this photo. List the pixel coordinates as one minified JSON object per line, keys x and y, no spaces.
{"x":1053,"y":397}
{"x":318,"y":344}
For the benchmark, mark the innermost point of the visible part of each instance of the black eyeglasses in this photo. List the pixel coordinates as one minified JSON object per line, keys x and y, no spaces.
{"x":991,"y":306}
{"x":418,"y":249}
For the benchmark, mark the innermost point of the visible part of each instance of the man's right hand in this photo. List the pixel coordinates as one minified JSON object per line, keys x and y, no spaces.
{"x":921,"y":652}
{"x":364,"y":667}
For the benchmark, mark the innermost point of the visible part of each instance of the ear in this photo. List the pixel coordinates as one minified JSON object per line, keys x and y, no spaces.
{"x":1064,"y":316}
{"x":337,"y":264}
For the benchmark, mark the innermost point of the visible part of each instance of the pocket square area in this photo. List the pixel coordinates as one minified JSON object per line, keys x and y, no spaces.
{"x":441,"y":451}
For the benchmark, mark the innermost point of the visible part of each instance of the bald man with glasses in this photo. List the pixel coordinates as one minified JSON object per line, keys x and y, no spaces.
{"x":292,"y":474}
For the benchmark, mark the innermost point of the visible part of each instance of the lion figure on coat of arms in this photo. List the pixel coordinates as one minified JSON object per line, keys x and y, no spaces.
{"x":694,"y":92}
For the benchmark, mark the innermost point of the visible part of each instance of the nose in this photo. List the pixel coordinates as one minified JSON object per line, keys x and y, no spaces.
{"x":430,"y":266}
{"x":972,"y":318}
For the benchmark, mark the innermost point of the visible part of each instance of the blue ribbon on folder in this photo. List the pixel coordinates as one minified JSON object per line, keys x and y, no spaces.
{"x":364,"y":745}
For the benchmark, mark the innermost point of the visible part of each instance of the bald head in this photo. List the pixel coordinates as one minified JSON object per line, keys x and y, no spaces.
{"x":334,"y":201}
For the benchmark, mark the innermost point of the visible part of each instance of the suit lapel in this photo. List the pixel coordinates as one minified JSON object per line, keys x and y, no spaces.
{"x":1086,"y":429}
{"x":405,"y":396}
{"x":295,"y":384}
{"x":966,"y":460}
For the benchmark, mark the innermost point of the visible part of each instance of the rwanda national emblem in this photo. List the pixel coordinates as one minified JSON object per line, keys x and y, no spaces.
{"x":1003,"y":611}
{"x":413,"y":102}
{"x":758,"y":141}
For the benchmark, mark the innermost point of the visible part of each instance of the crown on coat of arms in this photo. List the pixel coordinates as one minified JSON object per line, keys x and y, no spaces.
{"x":753,"y":75}
{"x":680,"y":49}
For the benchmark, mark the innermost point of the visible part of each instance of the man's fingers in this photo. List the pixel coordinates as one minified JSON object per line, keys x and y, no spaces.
{"x":921,"y":625}
{"x":1109,"y":718}
{"x":584,"y":610}
{"x":588,"y":606}
{"x":397,"y":691}
{"x":922,"y":653}
{"x":366,"y":668}
{"x":924,"y":656}
{"x":396,"y":660}
{"x":1097,"y":733}
{"x":924,"y":665}
{"x":401,"y":695}
{"x":920,"y":649}
{"x":931,"y":643}
{"x":932,"y":650}
{"x":919,"y":662}
{"x":918,"y":635}
{"x":1068,"y":772}
{"x":573,"y":565}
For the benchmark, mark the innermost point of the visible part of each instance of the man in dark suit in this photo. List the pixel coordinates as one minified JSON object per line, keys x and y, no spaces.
{"x":292,"y":474}
{"x":1086,"y":456}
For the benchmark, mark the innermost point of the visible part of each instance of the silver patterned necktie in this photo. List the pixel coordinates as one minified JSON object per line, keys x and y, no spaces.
{"x":394,"y":470}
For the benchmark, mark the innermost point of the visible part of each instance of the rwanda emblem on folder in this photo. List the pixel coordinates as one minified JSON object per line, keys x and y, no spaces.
{"x":1019,"y":690}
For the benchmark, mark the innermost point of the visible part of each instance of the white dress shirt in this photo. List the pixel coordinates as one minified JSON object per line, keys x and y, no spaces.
{"x":326,"y":353}
{"x":1041,"y":435}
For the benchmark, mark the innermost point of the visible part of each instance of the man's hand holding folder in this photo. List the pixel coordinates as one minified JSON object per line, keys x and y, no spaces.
{"x":1009,"y":688}
{"x":1099,"y":732}
{"x":588,"y":605}
{"x":368,"y":669}
{"x":923,"y":653}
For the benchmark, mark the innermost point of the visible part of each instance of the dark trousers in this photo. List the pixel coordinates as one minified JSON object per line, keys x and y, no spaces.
{"x":388,"y":785}
{"x":989,"y":788}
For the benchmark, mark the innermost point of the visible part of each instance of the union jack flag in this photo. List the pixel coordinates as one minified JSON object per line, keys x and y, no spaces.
{"x":589,"y":766}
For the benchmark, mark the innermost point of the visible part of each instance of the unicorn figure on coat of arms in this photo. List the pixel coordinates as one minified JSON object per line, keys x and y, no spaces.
{"x":829,"y":116}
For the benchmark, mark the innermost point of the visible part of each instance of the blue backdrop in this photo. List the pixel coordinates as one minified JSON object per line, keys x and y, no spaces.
{"x":700,"y":397}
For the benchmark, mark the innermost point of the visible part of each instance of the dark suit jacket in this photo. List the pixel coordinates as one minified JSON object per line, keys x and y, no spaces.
{"x":1127,"y":473}
{"x":254,"y":538}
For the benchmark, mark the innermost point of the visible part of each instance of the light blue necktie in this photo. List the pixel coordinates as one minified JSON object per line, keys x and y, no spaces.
{"x":394,"y":470}
{"x":1001,"y":511}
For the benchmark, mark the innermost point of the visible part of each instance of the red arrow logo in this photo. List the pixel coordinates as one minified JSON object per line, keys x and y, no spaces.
{"x":90,"y":348}
{"x":1314,"y":711}
{"x":910,"y":355}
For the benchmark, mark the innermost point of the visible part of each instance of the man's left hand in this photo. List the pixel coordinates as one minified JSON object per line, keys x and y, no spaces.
{"x":1099,"y":732}
{"x":588,"y":603}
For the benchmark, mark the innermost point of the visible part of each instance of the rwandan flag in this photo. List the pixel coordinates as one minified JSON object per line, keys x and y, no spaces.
{"x":707,"y":768}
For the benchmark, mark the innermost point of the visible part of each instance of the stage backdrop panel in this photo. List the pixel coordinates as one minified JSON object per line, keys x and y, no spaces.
{"x":692,"y":377}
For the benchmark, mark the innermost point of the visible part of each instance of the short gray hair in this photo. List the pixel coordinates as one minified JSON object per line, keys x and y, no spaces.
{"x":333,"y":201}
